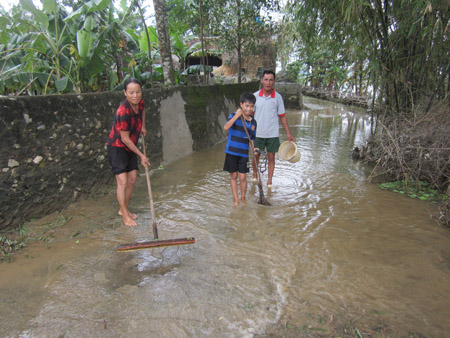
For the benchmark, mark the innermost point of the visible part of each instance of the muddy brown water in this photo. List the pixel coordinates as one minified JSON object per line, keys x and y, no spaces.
{"x":333,"y":255}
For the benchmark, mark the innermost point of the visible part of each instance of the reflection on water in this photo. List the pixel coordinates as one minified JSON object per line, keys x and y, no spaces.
{"x":331,"y":251}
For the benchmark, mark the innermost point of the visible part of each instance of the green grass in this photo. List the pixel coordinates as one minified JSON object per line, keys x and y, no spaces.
{"x":8,"y":246}
{"x":15,"y":239}
{"x":413,"y":189}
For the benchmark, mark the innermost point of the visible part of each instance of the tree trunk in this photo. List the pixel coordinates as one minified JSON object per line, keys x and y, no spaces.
{"x":202,"y":38}
{"x":141,"y":13}
{"x":162,"y":27}
{"x":239,"y":43}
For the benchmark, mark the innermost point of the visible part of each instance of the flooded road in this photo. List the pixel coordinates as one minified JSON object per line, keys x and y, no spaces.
{"x":333,"y":255}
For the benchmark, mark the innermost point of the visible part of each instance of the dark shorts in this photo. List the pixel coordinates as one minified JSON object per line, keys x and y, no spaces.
{"x":270,"y":145}
{"x":235,"y":163}
{"x":122,"y":161}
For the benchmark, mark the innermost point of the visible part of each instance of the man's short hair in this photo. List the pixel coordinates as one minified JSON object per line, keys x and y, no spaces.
{"x":268,"y":71}
{"x":248,"y":97}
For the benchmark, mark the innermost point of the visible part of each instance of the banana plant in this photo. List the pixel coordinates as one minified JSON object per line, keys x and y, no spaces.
{"x":86,"y":34}
{"x":85,"y":40}
{"x":96,"y":36}
{"x":143,"y":42}
{"x":68,"y":49}
{"x":44,"y":48}
{"x":182,"y":50}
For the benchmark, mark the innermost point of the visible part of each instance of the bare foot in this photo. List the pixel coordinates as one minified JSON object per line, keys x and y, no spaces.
{"x":131,"y":214}
{"x":128,"y":221}
{"x":244,"y":202}
{"x":236,"y":203}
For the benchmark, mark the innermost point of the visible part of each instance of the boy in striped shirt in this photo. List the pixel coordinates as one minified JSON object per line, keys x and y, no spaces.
{"x":236,"y":158}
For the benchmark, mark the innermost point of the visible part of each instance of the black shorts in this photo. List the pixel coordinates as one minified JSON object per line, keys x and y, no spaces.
{"x":121,"y":160}
{"x":235,"y":163}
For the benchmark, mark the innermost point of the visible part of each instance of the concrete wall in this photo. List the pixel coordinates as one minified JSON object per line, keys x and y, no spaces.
{"x":292,"y":94}
{"x":54,"y":147}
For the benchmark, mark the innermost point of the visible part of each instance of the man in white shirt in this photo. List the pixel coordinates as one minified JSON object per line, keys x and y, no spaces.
{"x":269,"y":110}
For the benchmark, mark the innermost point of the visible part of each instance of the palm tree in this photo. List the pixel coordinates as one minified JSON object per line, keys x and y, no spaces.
{"x":162,"y":26}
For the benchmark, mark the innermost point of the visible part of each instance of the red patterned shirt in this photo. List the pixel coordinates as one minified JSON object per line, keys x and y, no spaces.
{"x":126,"y":119}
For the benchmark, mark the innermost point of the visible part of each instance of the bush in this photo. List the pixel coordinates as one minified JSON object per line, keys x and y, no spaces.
{"x":414,"y":147}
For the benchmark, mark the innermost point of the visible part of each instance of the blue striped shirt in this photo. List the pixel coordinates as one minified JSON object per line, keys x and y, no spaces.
{"x":237,"y":143}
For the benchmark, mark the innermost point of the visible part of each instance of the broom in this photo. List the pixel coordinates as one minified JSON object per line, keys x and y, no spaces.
{"x":262,"y":200}
{"x":156,"y":243}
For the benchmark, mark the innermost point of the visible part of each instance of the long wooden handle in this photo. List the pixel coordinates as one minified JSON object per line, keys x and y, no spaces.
{"x":262,"y":200}
{"x":150,"y":195}
{"x":252,"y":149}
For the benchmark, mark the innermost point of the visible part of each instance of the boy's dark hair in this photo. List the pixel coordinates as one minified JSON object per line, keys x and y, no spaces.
{"x":268,"y":71}
{"x":248,"y":97}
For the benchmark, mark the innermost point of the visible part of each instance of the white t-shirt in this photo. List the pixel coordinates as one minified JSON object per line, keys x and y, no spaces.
{"x":267,"y":111}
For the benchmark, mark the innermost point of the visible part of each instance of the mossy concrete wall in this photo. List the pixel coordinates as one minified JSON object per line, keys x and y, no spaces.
{"x":54,"y":147}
